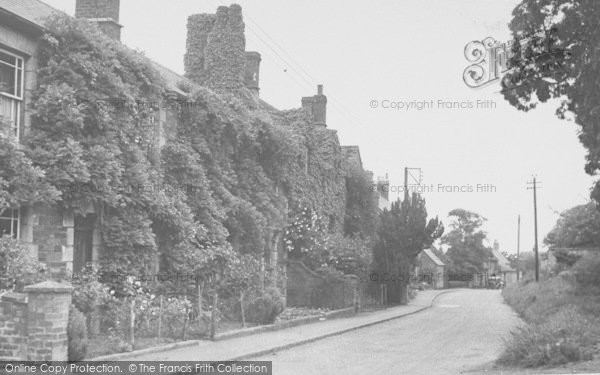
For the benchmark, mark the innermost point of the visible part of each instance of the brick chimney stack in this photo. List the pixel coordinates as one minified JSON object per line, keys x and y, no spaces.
{"x":317,"y":105}
{"x":103,"y":12}
{"x":252,"y":74}
{"x":216,"y":50}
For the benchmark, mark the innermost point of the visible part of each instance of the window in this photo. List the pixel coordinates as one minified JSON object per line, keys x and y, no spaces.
{"x":9,"y":223}
{"x":11,"y":90}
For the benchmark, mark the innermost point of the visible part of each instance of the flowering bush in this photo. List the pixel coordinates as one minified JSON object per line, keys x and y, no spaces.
{"x":305,"y":235}
{"x":17,"y":267}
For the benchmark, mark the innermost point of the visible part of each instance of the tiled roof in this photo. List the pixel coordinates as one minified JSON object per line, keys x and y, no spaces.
{"x":33,"y":11}
{"x":433,"y":257}
{"x":171,"y":78}
{"x":502,"y":261}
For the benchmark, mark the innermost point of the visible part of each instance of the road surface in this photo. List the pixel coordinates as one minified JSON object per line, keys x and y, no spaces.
{"x":461,"y":332}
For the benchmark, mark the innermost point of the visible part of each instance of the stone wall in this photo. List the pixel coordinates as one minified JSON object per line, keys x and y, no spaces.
{"x":33,"y":325}
{"x":307,"y":288}
{"x":48,"y":231}
{"x":13,"y":326}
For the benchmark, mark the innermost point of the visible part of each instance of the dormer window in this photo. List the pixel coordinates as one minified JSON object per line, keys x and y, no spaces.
{"x":11,"y":91}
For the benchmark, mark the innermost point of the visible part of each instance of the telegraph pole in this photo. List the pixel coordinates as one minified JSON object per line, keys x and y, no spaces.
{"x":535,"y":248}
{"x":406,"y":183}
{"x":518,"y":246}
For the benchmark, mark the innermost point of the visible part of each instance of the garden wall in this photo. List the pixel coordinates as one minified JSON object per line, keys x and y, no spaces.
{"x":33,"y":325}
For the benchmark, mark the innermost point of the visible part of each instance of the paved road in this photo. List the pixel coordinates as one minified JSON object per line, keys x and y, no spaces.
{"x":462,"y":331}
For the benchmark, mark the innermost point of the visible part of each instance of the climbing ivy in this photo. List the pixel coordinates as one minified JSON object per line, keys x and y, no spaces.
{"x":246,"y":170}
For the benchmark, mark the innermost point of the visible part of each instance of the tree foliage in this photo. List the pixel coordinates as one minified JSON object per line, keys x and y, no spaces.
{"x":578,"y":226}
{"x":562,"y":62}
{"x":465,"y":241}
{"x":403,"y":233}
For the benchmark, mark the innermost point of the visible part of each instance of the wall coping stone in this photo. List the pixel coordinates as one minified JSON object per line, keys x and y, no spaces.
{"x":14,"y":297}
{"x":48,"y":287}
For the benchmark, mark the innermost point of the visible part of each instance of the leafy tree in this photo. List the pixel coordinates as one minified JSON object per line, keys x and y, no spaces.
{"x":528,"y":263}
{"x":403,"y":233}
{"x":465,"y":240}
{"x":578,"y":226}
{"x":560,"y":62}
{"x":361,"y":204}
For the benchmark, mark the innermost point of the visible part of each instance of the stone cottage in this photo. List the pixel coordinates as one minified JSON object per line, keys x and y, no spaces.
{"x":67,"y":241}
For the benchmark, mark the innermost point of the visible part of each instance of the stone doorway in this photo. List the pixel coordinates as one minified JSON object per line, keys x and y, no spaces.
{"x":83,"y":241}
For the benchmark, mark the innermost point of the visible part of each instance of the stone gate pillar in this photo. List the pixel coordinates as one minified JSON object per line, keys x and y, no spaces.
{"x":47,"y":318}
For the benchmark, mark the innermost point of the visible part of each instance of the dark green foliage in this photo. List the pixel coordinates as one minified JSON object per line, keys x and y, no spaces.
{"x":565,"y":259}
{"x":577,"y":227}
{"x":561,"y":63}
{"x":95,"y":152}
{"x":77,"y":335}
{"x":241,"y":167}
{"x":404,"y":232}
{"x":361,"y":204}
{"x":17,"y":267}
{"x":467,"y":252}
{"x":20,"y":180}
{"x":587,"y":272}
{"x":265,"y":308}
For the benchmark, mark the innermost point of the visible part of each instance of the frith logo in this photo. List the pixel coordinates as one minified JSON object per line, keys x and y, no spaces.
{"x":490,"y":59}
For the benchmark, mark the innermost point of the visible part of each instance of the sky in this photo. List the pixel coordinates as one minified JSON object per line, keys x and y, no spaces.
{"x":368,"y":54}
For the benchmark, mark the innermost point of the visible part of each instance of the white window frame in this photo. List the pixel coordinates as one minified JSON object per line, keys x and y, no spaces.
{"x":12,"y":215}
{"x":16,"y":100}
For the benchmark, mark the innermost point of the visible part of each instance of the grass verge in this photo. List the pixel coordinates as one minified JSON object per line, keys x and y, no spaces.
{"x":562,"y":323}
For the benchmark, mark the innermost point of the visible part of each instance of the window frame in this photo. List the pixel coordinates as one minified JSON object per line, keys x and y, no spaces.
{"x":16,"y":101}
{"x":11,"y":215}
{"x":17,"y":70}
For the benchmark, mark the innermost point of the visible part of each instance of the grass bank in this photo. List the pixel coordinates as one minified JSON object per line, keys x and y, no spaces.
{"x":562,"y":322}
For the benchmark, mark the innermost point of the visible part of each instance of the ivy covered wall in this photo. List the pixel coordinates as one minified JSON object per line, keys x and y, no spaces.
{"x":249,"y":171}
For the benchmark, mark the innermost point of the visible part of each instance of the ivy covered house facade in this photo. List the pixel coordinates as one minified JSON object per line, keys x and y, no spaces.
{"x":205,"y":164}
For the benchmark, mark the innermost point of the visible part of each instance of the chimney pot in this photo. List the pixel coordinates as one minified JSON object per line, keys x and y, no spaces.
{"x":317,"y":105}
{"x":252,"y":73}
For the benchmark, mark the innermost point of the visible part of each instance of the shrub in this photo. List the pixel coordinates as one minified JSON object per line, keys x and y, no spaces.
{"x":265,"y":308}
{"x":88,"y":292}
{"x":587,"y":271}
{"x":77,"y":334}
{"x":17,"y":267}
{"x":147,"y":314}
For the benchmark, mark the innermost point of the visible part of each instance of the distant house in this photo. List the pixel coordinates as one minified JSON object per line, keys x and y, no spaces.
{"x":431,"y":269}
{"x":500,"y":266}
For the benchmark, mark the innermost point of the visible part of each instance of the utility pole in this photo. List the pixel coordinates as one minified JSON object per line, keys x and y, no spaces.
{"x":535,"y":248}
{"x":518,"y":247}
{"x":406,"y":183}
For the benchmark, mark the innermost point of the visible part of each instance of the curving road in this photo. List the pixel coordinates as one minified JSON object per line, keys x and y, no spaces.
{"x":461,"y":332}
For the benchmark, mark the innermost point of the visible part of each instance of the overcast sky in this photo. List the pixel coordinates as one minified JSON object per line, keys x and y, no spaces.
{"x":398,"y":50}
